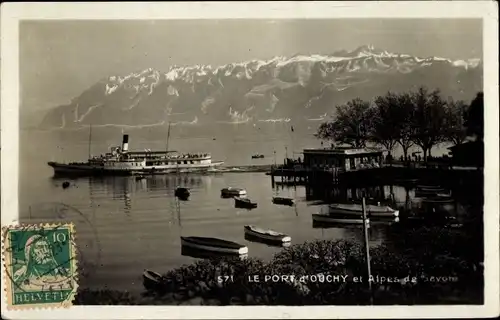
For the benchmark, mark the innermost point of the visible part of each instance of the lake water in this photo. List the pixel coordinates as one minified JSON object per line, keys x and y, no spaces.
{"x":125,"y":226}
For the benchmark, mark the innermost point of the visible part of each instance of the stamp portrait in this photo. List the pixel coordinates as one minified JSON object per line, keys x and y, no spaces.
{"x":40,"y":265}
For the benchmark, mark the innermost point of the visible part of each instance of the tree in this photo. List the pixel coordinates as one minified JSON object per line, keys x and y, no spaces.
{"x":474,"y":118}
{"x":429,"y":119}
{"x":405,"y":125}
{"x":455,"y":114}
{"x":352,"y":124}
{"x":391,"y":122}
{"x":384,"y":128}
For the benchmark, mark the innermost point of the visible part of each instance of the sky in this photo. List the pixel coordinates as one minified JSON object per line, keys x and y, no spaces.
{"x":59,"y":59}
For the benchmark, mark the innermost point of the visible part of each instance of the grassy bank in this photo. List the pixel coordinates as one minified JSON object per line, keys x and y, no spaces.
{"x":425,"y":266}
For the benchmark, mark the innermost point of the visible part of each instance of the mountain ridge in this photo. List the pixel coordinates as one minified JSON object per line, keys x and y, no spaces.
{"x":297,"y":87}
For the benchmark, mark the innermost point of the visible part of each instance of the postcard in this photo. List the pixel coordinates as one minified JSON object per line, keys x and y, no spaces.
{"x":249,"y":160}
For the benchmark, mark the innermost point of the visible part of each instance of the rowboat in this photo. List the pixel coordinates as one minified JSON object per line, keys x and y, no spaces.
{"x":233,"y":192}
{"x":258,"y":156}
{"x":214,"y":245}
{"x":205,"y":254}
{"x":429,"y":191}
{"x":244,"y":203}
{"x":376,"y":221}
{"x":357,"y":209}
{"x":284,"y":201}
{"x":264,"y":234}
{"x":268,"y":242}
{"x":153,"y":280}
{"x":328,"y":218}
{"x":421,"y":186}
{"x":438,"y":200}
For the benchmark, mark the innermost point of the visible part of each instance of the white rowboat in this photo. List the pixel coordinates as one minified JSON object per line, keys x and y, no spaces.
{"x":231,"y":192}
{"x":214,"y":245}
{"x":322,"y":217}
{"x":269,"y":235}
{"x":357,"y":209}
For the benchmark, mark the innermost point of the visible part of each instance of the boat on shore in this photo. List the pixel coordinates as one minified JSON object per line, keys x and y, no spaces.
{"x":269,"y":235}
{"x":153,"y":281}
{"x":355,"y":209}
{"x":246,"y":203}
{"x":214,"y":245}
{"x":229,"y":192}
{"x":283,"y":201}
{"x":329,"y":218}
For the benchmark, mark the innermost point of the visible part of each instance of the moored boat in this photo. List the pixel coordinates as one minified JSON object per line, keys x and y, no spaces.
{"x":422,"y":186}
{"x":328,"y":218}
{"x":422,"y":191}
{"x":258,"y":156}
{"x":182,"y":193}
{"x":214,"y":245}
{"x":438,"y":200}
{"x":430,"y":193}
{"x":233,"y":192}
{"x":240,"y":202}
{"x":205,"y":254}
{"x":357,"y":210}
{"x":284,"y":201}
{"x":153,"y":280}
{"x":269,"y":235}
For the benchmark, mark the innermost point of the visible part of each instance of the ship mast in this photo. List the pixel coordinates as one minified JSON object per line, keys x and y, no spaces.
{"x":168,"y":138}
{"x":90,"y":139}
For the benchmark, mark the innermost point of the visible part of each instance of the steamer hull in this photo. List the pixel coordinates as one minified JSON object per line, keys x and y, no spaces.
{"x":62,"y":169}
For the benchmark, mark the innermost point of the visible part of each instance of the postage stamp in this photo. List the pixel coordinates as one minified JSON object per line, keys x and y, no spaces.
{"x":40,"y":265}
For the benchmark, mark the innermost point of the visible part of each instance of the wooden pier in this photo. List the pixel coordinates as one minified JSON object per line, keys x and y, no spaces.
{"x":302,"y":175}
{"x":387,"y":173}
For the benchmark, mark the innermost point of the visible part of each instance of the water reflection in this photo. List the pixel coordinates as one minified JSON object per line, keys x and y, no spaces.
{"x":120,"y":187}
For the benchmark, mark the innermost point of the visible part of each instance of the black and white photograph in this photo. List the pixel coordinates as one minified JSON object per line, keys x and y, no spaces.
{"x":259,"y":161}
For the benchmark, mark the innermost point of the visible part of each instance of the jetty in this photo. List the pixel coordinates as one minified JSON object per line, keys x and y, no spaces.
{"x":333,"y":167}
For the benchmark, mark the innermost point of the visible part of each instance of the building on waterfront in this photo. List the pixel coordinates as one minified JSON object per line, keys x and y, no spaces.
{"x":468,"y":154}
{"x":342,"y":158}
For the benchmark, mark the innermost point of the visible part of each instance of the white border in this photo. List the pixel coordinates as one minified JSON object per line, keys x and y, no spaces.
{"x":11,"y":13}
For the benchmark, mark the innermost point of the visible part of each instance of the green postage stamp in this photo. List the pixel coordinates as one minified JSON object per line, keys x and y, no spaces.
{"x":40,"y":265}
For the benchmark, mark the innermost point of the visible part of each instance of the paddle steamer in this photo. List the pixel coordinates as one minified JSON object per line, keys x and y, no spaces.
{"x":121,"y":161}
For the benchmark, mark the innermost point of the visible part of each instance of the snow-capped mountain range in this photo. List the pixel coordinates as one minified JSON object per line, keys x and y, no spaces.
{"x":298,"y":88}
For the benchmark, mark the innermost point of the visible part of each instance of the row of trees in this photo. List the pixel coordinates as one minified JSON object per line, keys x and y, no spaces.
{"x":422,"y":118}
